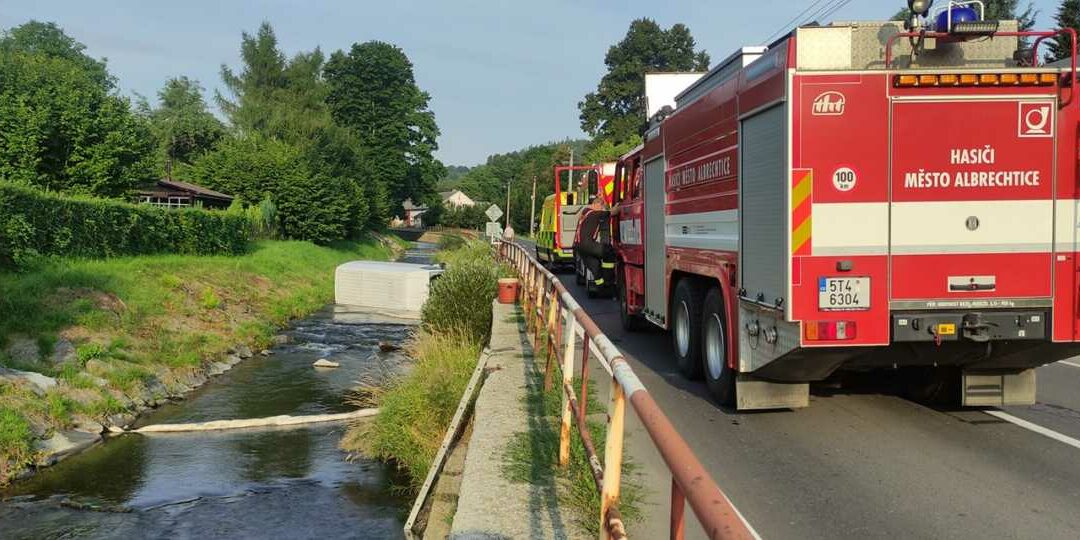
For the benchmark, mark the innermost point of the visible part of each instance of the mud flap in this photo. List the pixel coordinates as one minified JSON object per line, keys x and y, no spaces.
{"x":983,"y":389}
{"x":752,"y":393}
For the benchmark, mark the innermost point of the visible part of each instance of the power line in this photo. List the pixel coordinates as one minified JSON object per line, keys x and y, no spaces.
{"x":835,"y":9}
{"x":784,"y":27}
{"x":824,"y":11}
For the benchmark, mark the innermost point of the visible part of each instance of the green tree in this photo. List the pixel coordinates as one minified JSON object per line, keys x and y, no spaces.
{"x":183,"y":126}
{"x":49,"y":40}
{"x":275,"y":96}
{"x":284,"y":100}
{"x":372,"y":90}
{"x":616,"y":110}
{"x":487,"y":182}
{"x":605,"y":150}
{"x":61,"y":126}
{"x":1068,"y":16}
{"x":310,"y":205}
{"x":1007,"y":10}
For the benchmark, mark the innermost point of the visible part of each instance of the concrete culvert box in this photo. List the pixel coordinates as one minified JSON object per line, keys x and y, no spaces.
{"x":398,"y":288}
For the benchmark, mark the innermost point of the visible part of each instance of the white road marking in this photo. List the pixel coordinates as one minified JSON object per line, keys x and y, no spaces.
{"x":1035,"y":427}
{"x":749,"y":527}
{"x":1067,"y":363}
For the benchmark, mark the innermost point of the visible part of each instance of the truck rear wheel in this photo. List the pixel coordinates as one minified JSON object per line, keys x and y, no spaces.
{"x":719,"y":376}
{"x":579,"y":270}
{"x":686,"y":328}
{"x":631,"y":322}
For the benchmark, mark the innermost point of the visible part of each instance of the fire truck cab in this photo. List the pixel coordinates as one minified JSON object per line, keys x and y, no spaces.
{"x":862,"y":195}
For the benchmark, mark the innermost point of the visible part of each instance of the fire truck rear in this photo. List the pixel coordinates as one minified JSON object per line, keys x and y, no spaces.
{"x":862,"y":195}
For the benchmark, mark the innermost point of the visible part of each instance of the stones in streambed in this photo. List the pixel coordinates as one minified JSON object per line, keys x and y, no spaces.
{"x":217,"y":368}
{"x":386,"y":346}
{"x":63,"y":444}
{"x":37,"y":382}
{"x":22,"y":350}
{"x":94,"y":506}
{"x":266,"y":352}
{"x":242,"y":350}
{"x":86,"y":425}
{"x":324,"y":363}
{"x":117,"y":423}
{"x":63,"y":352}
{"x":282,"y":339}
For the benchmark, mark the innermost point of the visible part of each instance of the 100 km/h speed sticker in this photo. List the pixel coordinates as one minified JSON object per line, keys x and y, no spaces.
{"x":844,"y":179}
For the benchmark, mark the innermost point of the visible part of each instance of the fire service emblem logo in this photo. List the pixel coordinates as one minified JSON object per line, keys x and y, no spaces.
{"x":1035,"y":119}
{"x":829,"y":104}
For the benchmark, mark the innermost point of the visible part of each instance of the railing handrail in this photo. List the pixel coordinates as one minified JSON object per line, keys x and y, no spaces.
{"x":690,"y":480}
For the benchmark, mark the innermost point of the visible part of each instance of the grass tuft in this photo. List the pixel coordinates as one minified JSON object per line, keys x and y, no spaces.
{"x":15,"y":437}
{"x":415,"y":409}
{"x":532,"y":457}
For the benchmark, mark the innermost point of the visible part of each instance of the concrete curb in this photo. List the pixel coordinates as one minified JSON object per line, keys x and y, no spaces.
{"x":489,"y":505}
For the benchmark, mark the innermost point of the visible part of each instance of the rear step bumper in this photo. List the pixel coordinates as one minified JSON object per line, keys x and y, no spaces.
{"x":976,"y":326}
{"x":1007,"y":355}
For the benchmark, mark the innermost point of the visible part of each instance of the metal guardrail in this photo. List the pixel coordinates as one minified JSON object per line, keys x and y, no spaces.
{"x":556,"y":319}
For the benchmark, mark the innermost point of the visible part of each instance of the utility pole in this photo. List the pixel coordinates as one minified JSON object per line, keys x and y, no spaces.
{"x":532,"y":208}
{"x":508,"y":202}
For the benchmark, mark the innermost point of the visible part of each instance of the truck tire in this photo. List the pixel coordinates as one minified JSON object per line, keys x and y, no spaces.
{"x":631,"y":322}
{"x":579,"y":270}
{"x":686,"y":328}
{"x":719,"y":376}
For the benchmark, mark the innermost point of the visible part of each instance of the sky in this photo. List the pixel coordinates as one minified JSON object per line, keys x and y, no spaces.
{"x":502,"y":74}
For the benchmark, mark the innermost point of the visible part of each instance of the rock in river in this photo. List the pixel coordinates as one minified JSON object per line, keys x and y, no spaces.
{"x":324,"y":363}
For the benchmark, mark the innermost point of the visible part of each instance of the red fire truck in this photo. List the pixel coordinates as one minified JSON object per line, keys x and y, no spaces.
{"x":862,"y":195}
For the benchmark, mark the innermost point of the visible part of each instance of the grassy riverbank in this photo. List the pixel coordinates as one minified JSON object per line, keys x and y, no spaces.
{"x":122,"y":333}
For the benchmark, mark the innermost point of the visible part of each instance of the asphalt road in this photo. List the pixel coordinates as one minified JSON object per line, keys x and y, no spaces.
{"x":860,"y":462}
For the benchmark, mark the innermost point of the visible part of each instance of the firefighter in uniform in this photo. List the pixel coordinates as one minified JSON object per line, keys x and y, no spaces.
{"x":593,"y":245}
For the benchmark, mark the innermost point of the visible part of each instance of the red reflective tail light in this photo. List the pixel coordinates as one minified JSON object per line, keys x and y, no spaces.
{"x":829,"y":330}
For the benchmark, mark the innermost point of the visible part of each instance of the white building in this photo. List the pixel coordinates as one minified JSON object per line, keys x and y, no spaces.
{"x":456,"y":198}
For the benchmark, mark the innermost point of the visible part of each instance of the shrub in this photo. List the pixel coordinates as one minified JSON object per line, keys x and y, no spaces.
{"x":451,"y":241}
{"x":415,"y":410}
{"x":460,"y":299}
{"x":35,"y":223}
{"x":307,"y":205}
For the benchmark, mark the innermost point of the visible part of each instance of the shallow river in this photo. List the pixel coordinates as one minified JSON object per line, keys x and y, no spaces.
{"x":267,"y":483}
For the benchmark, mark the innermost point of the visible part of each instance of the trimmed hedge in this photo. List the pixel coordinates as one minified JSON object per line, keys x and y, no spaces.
{"x":34,"y":223}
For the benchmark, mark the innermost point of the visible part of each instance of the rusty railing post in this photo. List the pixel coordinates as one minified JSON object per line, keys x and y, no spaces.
{"x":583,"y":402}
{"x":538,"y":313}
{"x":613,"y":449}
{"x":678,"y":508}
{"x":691,"y":484}
{"x":567,"y":379}
{"x":549,"y":358}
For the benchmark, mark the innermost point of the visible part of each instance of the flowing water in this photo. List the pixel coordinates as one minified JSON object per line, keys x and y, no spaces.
{"x":266,"y":483}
